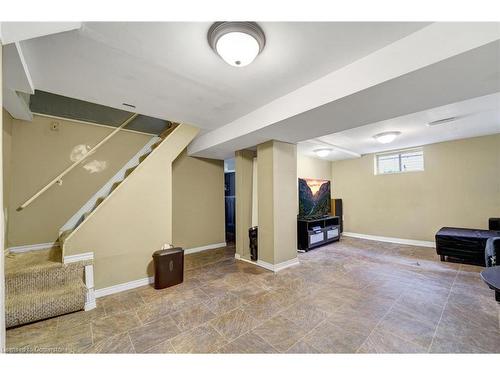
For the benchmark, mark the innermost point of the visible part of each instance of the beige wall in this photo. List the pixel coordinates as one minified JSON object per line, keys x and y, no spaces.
{"x":7,"y":172}
{"x":459,"y":187}
{"x":308,"y":167}
{"x":39,"y":154}
{"x":135,"y":220}
{"x":198,"y":201}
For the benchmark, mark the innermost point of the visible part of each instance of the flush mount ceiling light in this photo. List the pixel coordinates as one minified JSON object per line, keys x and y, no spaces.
{"x":323,"y":152}
{"x":386,"y":137}
{"x":237,"y":43}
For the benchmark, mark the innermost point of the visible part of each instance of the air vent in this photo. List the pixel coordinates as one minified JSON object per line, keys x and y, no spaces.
{"x":443,"y":121}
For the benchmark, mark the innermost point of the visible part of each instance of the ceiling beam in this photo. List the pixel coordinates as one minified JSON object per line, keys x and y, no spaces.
{"x":11,"y":32}
{"x":335,"y":147}
{"x":428,"y":46}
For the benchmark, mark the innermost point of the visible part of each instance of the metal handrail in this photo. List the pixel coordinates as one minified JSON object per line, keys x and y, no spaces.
{"x":58,"y":179}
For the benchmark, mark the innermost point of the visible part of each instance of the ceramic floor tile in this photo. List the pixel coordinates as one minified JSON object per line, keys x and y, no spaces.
{"x":262,"y":307}
{"x":285,"y":297}
{"x":377,"y":297}
{"x":464,"y":337}
{"x":279,"y":332}
{"x":223,"y":303}
{"x":116,"y":344}
{"x":248,"y":292}
{"x":326,"y":301}
{"x":192,"y":316}
{"x":405,"y":326}
{"x":448,"y":345}
{"x":81,"y":317}
{"x":31,"y":334}
{"x":151,"y":334}
{"x":472,"y":313}
{"x":202,"y":339}
{"x":113,"y":325}
{"x":302,"y":347}
{"x":328,"y":338}
{"x":361,"y":322}
{"x":162,"y":348}
{"x":304,"y":315}
{"x":385,"y":342}
{"x":215,"y":288}
{"x":248,"y":343}
{"x":234,"y":324}
{"x":121,"y":302}
{"x":183,"y":298}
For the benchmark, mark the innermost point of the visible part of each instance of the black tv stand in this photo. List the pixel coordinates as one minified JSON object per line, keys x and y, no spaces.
{"x":314,"y":232}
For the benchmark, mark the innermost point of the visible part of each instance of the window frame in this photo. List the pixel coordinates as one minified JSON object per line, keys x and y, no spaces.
{"x":399,"y":153}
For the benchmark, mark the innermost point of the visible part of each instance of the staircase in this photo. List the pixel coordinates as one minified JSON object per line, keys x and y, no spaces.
{"x":39,"y":285}
{"x":93,"y":203}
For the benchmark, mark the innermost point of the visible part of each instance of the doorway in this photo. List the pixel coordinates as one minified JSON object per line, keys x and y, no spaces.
{"x":230,"y":200}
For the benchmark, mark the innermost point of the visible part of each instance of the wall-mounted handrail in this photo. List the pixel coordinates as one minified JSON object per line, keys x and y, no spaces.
{"x":59,"y":177}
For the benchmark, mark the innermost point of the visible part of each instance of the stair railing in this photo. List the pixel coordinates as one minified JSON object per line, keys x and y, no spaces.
{"x":58,"y":178}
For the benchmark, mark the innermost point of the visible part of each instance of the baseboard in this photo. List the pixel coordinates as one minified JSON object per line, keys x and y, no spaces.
{"x":35,"y":247}
{"x":131,"y":284}
{"x":286,"y":264}
{"x":90,"y":305}
{"x":402,"y":241}
{"x":78,"y":258}
{"x":269,"y":266}
{"x":203,"y":248}
{"x":123,"y":287}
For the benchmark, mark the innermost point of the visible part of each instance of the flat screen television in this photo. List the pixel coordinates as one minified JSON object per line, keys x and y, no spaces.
{"x":314,"y":198}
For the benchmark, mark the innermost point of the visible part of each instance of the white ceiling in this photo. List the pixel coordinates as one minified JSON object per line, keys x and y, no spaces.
{"x":169,"y":71}
{"x":442,"y":63}
{"x":334,"y":82}
{"x":476,"y":117}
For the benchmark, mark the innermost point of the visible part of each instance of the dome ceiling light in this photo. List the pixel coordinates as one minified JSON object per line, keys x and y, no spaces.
{"x":237,"y":43}
{"x":386,"y":137}
{"x":323,"y":152}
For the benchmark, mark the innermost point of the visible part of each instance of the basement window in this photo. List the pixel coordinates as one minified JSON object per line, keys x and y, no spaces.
{"x":399,"y":161}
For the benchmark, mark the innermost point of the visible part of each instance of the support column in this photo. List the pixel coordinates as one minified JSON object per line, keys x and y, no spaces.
{"x":277,"y":204}
{"x":244,"y":181}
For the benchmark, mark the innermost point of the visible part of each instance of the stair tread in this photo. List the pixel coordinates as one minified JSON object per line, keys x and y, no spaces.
{"x":75,"y":286}
{"x":22,"y":263}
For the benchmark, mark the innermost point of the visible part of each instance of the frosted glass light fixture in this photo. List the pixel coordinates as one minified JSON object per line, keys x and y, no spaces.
{"x":386,"y":137}
{"x":237,"y":43}
{"x":323,"y":152}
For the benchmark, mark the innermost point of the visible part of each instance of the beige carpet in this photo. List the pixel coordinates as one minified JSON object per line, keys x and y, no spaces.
{"x":39,"y":286}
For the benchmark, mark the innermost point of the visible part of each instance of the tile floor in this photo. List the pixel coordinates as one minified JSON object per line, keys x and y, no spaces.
{"x":354,"y":296}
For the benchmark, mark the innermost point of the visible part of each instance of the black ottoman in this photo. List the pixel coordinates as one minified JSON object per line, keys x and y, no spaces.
{"x":463,"y":243}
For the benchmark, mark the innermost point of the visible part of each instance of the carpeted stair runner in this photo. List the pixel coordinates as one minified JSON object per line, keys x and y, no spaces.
{"x":39,"y":286}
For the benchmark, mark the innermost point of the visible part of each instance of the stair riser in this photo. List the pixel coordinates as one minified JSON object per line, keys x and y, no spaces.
{"x":43,"y":306}
{"x":42,"y":280}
